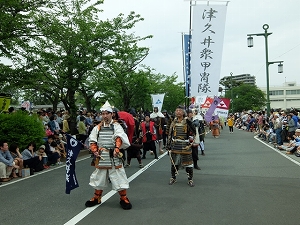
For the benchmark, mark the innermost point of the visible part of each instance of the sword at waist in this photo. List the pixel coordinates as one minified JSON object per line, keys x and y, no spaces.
{"x":181,"y":140}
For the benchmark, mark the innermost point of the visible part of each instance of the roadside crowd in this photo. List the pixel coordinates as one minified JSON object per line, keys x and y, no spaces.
{"x":281,"y":128}
{"x":13,"y":160}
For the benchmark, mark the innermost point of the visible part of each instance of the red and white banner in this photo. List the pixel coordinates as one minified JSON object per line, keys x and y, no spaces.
{"x":206,"y":51}
{"x":222,"y":108}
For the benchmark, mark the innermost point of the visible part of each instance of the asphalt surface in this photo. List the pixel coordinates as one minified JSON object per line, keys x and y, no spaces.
{"x":242,"y":181}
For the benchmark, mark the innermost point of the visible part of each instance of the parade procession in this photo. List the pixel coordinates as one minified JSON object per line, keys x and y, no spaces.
{"x":149,"y":112}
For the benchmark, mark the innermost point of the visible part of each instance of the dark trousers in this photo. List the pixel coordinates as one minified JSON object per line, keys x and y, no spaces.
{"x":195,"y":155}
{"x":52,"y":158}
{"x":147,"y":146}
{"x":230,"y":128}
{"x":34,"y":163}
{"x":164,"y":136}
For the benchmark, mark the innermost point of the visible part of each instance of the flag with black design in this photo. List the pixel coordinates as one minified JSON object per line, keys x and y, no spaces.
{"x":73,"y":148}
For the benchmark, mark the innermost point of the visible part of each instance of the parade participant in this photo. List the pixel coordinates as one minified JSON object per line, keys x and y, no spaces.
{"x":106,"y":140}
{"x":134,"y":150}
{"x":179,"y":144}
{"x":149,"y":136}
{"x":215,"y":128}
{"x":196,"y":144}
{"x":159,"y":121}
{"x":201,"y":130}
{"x":167,"y":118}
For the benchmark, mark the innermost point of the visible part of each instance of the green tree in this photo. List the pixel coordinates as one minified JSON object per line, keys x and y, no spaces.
{"x":21,"y":128}
{"x":72,"y":49}
{"x":247,"y":97}
{"x":17,"y":23}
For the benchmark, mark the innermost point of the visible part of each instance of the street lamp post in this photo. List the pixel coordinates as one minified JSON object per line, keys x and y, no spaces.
{"x":280,"y":66}
{"x":231,"y":92}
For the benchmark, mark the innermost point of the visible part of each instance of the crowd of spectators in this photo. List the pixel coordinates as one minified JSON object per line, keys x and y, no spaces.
{"x":281,"y":128}
{"x":13,"y":160}
{"x":53,"y":150}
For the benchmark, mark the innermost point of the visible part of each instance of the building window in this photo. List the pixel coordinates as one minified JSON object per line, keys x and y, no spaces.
{"x":279,"y":92}
{"x":292,"y":92}
{"x":291,"y":100}
{"x":276,"y":100}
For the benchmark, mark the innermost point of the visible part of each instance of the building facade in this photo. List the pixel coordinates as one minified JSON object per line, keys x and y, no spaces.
{"x":245,"y":78}
{"x":285,"y":97}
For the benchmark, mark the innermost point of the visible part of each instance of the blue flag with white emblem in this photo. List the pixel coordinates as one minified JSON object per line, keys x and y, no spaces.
{"x":157,"y":100}
{"x":73,"y":148}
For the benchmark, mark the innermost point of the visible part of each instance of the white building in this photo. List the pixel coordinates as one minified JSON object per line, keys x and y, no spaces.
{"x":284,"y":97}
{"x":245,"y":78}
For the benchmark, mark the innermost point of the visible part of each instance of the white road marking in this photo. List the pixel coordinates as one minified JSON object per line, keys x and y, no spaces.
{"x":87,"y":211}
{"x":279,"y":152}
{"x":39,"y":173}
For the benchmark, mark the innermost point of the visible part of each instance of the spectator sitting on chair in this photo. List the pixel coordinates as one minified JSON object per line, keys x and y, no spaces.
{"x":31,"y":159}
{"x":18,"y":159}
{"x":60,"y":144}
{"x":6,"y":162}
{"x":251,"y":123}
{"x":297,"y":142}
{"x":53,"y":156}
{"x":41,"y":152}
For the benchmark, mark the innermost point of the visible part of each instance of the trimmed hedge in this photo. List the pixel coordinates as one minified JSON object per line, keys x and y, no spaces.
{"x":21,"y":128}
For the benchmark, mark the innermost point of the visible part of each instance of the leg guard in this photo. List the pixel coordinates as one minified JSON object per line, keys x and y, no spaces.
{"x":173,"y":174}
{"x":95,"y":200}
{"x":173,"y":171}
{"x":189,"y":171}
{"x":124,"y":201}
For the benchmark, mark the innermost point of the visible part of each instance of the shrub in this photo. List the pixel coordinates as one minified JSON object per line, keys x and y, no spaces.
{"x":21,"y":128}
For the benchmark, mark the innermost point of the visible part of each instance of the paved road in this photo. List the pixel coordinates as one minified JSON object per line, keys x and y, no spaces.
{"x":242,"y":181}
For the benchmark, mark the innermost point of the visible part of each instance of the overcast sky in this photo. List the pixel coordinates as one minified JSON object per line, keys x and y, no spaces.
{"x":167,"y":19}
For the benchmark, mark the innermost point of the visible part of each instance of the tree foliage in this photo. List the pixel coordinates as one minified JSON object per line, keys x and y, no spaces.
{"x":246,"y":97}
{"x":64,"y":52}
{"x":21,"y":128}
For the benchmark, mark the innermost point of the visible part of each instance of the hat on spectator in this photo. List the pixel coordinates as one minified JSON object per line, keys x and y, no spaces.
{"x":298,"y":130}
{"x":43,"y":147}
{"x":60,"y":135}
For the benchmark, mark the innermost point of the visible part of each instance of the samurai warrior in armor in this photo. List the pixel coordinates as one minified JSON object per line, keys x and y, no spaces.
{"x":180,"y":138}
{"x":106,"y":140}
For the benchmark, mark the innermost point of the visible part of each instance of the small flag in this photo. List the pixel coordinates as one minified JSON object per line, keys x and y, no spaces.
{"x":73,"y":148}
{"x":209,"y":114}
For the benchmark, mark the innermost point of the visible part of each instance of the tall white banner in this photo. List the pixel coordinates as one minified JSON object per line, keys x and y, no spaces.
{"x":207,"y":46}
{"x":157,"y":101}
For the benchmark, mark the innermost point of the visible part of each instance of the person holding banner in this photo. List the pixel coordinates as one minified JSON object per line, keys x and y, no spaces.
{"x":180,"y":139}
{"x":159,"y":121}
{"x":106,"y":140}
